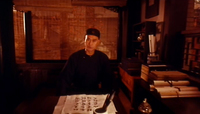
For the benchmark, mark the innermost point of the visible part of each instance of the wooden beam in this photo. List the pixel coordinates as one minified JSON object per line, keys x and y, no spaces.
{"x":99,"y":2}
{"x":193,"y":31}
{"x":40,"y":8}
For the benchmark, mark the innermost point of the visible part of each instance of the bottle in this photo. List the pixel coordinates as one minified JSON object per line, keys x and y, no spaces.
{"x":145,"y":107}
{"x":139,"y":38}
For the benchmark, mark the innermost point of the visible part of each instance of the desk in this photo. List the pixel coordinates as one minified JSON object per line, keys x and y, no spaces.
{"x":46,"y":104}
{"x":183,"y":105}
{"x":128,"y":81}
{"x":167,"y":105}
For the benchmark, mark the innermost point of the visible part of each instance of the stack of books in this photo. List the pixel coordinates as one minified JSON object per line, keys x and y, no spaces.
{"x":146,"y":69}
{"x":167,"y":75}
{"x":172,"y":84}
{"x":175,"y":89}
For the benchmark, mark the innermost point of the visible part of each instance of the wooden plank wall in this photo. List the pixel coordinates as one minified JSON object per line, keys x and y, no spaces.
{"x":42,"y":3}
{"x":190,"y":15}
{"x":58,"y":30}
{"x":57,"y":34}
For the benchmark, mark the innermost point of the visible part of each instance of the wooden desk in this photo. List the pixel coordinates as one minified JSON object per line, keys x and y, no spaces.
{"x":46,"y":104}
{"x":38,"y":105}
{"x":129,"y":82}
{"x":183,"y":105}
{"x":165,"y":105}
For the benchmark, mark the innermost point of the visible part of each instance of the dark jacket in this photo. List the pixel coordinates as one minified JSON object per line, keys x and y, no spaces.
{"x":86,"y":74}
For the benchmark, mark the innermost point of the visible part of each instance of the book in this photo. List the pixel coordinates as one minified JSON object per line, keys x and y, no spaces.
{"x":177,"y":88}
{"x":171,"y":83}
{"x":151,"y":67}
{"x":178,"y":91}
{"x":144,"y":76}
{"x":147,"y":69}
{"x":168,"y":75}
{"x":181,"y":96}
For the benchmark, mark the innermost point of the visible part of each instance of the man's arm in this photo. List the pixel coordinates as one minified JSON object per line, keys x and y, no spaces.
{"x":66,"y":77}
{"x":107,"y":76}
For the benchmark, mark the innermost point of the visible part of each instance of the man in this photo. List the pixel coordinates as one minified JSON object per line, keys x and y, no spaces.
{"x":87,"y":70}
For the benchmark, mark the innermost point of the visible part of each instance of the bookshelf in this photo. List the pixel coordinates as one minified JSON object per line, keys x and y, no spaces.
{"x":191,"y":54}
{"x":140,"y":45}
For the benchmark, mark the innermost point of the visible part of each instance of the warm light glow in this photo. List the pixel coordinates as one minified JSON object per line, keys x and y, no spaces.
{"x":197,"y":4}
{"x":14,"y":10}
{"x":24,"y":25}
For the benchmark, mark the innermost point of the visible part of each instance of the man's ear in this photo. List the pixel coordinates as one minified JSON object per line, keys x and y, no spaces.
{"x":85,"y":38}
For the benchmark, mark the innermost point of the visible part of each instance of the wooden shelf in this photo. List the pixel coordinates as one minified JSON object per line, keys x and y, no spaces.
{"x":138,"y":41}
{"x":140,"y":32}
{"x":198,"y":55}
{"x":140,"y":50}
{"x":143,"y":29}
{"x":195,"y":32}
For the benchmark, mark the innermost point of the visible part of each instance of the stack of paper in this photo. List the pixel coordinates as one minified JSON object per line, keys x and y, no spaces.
{"x":172,"y":84}
{"x":177,"y":91}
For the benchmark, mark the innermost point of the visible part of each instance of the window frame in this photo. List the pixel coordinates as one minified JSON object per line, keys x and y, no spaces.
{"x":29,"y":43}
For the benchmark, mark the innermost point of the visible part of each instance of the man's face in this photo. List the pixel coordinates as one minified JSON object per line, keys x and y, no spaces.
{"x":91,"y":43}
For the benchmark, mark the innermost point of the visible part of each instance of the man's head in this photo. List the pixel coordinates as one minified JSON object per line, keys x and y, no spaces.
{"x":93,"y":31}
{"x":92,"y":40}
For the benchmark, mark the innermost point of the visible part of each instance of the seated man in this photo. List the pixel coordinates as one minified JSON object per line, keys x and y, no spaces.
{"x":87,"y":70}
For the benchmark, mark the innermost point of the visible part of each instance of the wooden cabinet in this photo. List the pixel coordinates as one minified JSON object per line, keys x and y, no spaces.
{"x":191,"y":58}
{"x":140,"y":36}
{"x":128,"y":81}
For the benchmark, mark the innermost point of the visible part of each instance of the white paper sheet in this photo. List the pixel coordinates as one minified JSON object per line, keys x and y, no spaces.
{"x":81,"y":104}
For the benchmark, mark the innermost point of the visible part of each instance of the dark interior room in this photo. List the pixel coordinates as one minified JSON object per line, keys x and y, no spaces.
{"x":153,"y":49}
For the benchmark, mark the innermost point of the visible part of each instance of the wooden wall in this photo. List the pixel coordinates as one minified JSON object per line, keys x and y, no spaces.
{"x":191,"y":57}
{"x":190,"y":15}
{"x":66,"y":3}
{"x":17,"y":81}
{"x":56,"y":35}
{"x":34,"y":76}
{"x":173,"y":25}
{"x":58,"y":30}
